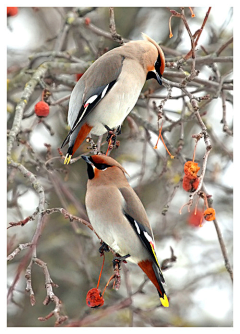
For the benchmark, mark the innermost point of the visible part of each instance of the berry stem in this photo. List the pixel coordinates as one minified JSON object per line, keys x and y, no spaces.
{"x":101,"y":271}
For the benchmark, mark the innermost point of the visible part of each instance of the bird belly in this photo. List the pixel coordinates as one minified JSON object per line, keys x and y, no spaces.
{"x":115,"y":106}
{"x":115,"y":233}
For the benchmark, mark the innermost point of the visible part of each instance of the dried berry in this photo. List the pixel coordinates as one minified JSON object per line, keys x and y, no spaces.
{"x":191,"y":169}
{"x":87,"y":21}
{"x":94,"y":298}
{"x":209,"y":214}
{"x":190,"y":184}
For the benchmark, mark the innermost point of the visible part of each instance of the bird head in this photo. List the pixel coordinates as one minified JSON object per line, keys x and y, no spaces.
{"x":157,"y":64}
{"x":104,"y":167}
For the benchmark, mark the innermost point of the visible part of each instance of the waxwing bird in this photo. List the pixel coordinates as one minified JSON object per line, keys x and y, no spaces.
{"x":107,"y":92}
{"x":119,"y":218}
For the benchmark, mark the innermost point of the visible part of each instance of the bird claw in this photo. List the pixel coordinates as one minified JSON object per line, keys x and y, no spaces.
{"x":116,"y":266}
{"x":103,"y":248}
{"x":112,"y":135}
{"x":118,"y":259}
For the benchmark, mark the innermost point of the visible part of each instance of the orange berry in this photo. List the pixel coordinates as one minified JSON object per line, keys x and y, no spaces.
{"x":209,"y":214}
{"x":12,"y":11}
{"x":41,"y":109}
{"x":94,"y":298}
{"x":191,"y":169}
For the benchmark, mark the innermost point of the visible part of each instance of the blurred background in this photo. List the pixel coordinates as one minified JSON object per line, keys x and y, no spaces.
{"x":198,"y":285}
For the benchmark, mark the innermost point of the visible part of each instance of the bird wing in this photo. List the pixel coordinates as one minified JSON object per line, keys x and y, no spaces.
{"x":93,"y":86}
{"x":137,"y":217}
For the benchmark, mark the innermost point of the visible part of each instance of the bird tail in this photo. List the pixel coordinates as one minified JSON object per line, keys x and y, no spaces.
{"x":154,"y":273}
{"x":162,"y":295}
{"x":75,"y":140}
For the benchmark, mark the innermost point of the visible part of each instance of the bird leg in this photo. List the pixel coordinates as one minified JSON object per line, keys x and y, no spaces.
{"x":118,"y":259}
{"x":103,"y":248}
{"x":112,"y":135}
{"x":112,"y":138}
{"x":116,"y":266}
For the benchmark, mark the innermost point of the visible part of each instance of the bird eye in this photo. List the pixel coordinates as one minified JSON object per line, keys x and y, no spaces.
{"x":101,"y":166}
{"x":158,"y":64}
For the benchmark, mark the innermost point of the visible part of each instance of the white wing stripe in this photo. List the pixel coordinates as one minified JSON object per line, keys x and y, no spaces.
{"x":147,"y":236}
{"x":104,"y":92}
{"x":91,"y":99}
{"x":80,"y":118}
{"x":137,"y":227}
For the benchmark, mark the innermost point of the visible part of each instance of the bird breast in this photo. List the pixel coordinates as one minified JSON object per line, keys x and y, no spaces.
{"x":120,"y":100}
{"x":104,"y":208}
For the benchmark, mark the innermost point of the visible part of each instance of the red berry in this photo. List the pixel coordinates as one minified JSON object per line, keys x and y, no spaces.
{"x":87,"y":21}
{"x":78,"y":76}
{"x":196,"y":218}
{"x":94,"y":298}
{"x":190,"y":184}
{"x":12,"y":11}
{"x":41,"y":109}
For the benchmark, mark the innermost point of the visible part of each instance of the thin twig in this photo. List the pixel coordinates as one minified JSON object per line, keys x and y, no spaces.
{"x":51,"y":297}
{"x":116,"y":37}
{"x":18,"y":250}
{"x":223,"y":249}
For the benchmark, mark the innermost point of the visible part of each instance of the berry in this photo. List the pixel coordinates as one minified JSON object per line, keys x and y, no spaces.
{"x":94,"y":298}
{"x":191,"y":169}
{"x":190,"y":184}
{"x":195,"y":218}
{"x":209,"y":214}
{"x":12,"y":11}
{"x":78,"y":76}
{"x":41,"y":109}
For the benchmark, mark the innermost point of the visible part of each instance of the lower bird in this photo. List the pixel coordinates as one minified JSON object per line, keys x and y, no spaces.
{"x":119,"y":218}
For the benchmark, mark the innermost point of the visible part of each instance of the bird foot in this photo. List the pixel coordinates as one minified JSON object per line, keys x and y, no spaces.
{"x":103,"y":248}
{"x":118,"y":259}
{"x":112,"y":135}
{"x":116,"y":266}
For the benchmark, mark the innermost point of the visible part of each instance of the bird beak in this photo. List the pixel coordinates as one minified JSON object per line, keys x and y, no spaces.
{"x":159,"y":80}
{"x":86,"y":158}
{"x":90,"y":166}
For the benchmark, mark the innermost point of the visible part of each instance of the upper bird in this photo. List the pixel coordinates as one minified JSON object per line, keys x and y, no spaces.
{"x":109,"y":89}
{"x":119,"y":218}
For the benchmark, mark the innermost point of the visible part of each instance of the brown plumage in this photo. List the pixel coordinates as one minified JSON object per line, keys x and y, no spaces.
{"x":119,"y":218}
{"x":109,"y":89}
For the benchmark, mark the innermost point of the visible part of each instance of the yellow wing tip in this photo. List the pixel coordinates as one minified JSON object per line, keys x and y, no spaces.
{"x":164,"y":301}
{"x":67,"y":159}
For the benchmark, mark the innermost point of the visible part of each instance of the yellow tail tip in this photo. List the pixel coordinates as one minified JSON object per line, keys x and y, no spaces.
{"x":67,"y":159}
{"x":164,"y":301}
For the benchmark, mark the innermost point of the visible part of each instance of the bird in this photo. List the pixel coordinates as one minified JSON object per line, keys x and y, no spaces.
{"x":119,"y":219}
{"x":108,"y":90}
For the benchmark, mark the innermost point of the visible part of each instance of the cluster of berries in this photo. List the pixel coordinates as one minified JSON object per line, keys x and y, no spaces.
{"x":190,"y":183}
